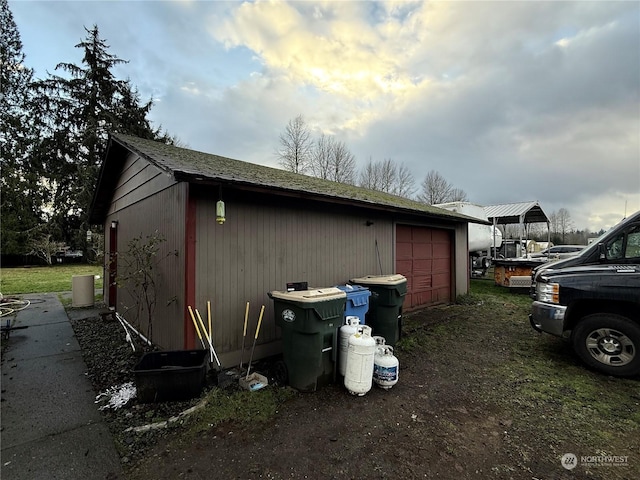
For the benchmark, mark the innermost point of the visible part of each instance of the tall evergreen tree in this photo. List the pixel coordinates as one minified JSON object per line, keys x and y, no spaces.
{"x":21,"y":190}
{"x":79,"y":110}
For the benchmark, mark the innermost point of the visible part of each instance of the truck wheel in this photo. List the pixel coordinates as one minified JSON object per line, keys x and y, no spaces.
{"x":609,"y":343}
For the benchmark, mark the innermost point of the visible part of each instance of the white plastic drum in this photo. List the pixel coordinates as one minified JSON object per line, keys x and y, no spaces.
{"x":82,"y":291}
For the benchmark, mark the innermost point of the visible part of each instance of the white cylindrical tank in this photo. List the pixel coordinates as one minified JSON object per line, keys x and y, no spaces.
{"x":484,"y":237}
{"x":349,"y":328}
{"x":481,"y":237}
{"x":386,"y":368}
{"x":496,"y":237}
{"x":358,"y":377}
{"x":379,"y":340}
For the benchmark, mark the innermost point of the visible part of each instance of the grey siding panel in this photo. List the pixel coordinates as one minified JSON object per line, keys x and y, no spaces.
{"x":260,"y":248}
{"x":139,"y":180}
{"x":163,"y":213}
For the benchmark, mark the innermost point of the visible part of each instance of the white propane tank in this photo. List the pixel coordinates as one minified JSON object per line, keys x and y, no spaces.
{"x":379,"y":340}
{"x":386,"y":367}
{"x":349,"y":328}
{"x":358,"y":377}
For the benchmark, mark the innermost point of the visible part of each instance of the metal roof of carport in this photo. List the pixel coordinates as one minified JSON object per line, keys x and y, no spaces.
{"x":509,"y":213}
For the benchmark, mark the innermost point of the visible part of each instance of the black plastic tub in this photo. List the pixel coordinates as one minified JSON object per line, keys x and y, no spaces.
{"x":170,"y":375}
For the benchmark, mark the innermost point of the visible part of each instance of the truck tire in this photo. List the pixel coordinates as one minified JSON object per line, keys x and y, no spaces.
{"x":609,"y":343}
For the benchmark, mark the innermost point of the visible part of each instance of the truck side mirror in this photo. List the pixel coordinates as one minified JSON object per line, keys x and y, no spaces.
{"x":602,"y":253}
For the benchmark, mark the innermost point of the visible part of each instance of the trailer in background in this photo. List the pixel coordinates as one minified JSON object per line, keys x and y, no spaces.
{"x":484,"y":240}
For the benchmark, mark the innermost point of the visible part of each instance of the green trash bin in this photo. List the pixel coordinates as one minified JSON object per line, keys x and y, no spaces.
{"x":385,"y":305}
{"x":309,"y":320}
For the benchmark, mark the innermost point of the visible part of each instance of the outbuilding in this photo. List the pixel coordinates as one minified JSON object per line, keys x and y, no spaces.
{"x":278,"y":227}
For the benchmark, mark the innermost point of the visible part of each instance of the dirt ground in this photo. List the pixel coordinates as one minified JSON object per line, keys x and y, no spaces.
{"x":480,"y":395}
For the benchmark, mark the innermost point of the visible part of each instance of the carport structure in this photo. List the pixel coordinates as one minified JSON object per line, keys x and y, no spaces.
{"x":522,"y":214}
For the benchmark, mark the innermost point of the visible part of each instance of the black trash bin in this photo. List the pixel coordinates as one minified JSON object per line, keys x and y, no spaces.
{"x":309,"y":319}
{"x":385,"y":305}
{"x":170,"y":375}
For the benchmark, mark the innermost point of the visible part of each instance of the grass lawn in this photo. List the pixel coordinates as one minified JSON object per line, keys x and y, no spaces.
{"x":45,"y":279}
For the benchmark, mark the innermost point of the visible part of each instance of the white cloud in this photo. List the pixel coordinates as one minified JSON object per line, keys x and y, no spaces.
{"x":332,"y":49}
{"x":510,"y":101}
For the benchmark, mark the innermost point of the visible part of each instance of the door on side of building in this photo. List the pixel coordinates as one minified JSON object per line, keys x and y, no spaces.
{"x":423,"y":255}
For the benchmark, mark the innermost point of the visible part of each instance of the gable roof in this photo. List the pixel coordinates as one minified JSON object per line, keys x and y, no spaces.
{"x":204,"y":168}
{"x":523,"y":212}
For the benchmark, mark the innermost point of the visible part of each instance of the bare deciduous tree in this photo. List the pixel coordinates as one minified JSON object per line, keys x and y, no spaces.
{"x":436,"y":189}
{"x":553,"y":223}
{"x":387,"y":176}
{"x":404,"y":184}
{"x":343,"y":163}
{"x":369,"y":176}
{"x":332,"y":160}
{"x":321,"y":157}
{"x":561,"y":224}
{"x":296,"y":146}
{"x":458,"y":195}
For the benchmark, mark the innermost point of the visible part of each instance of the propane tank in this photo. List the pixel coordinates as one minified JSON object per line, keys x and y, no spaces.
{"x":349,"y":328}
{"x":358,"y":377}
{"x":379,"y":340}
{"x":386,"y":367}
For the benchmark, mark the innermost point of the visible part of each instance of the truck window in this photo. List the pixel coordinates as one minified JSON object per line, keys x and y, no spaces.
{"x":633,"y":243}
{"x":614,"y":248}
{"x":618,"y":248}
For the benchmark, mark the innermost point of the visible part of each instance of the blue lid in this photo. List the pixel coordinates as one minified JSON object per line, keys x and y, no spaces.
{"x":348,"y":288}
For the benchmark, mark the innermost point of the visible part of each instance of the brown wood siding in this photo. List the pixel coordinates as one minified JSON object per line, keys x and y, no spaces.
{"x":189,"y":336}
{"x":163,"y":213}
{"x":424,"y":256}
{"x":139,"y":180}
{"x":260,"y":248}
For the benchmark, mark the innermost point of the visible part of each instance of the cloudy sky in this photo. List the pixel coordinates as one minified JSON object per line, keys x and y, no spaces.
{"x":508,"y":101}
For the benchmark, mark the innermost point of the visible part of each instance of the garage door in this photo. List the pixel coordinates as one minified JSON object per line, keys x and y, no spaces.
{"x":423,"y":255}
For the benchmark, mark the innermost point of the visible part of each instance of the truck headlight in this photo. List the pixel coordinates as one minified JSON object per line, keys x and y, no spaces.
{"x":548,"y":292}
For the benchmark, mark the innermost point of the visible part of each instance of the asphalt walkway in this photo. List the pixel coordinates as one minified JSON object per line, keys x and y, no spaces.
{"x":50,"y":426}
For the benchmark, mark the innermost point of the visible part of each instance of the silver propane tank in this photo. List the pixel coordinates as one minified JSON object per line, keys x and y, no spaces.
{"x":386,"y":368}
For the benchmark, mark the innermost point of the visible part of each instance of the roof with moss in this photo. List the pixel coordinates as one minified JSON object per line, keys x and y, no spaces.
{"x":193,"y":166}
